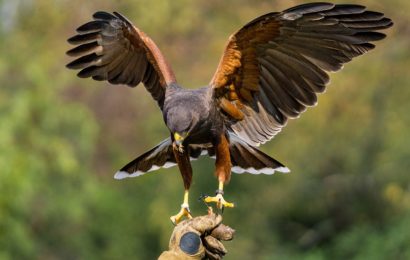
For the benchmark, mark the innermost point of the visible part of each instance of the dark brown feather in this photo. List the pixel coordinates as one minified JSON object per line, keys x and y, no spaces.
{"x":184,"y":166}
{"x":111,"y":48}
{"x":83,"y":38}
{"x":273,"y":68}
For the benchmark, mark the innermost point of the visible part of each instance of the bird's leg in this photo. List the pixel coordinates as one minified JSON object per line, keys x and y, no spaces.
{"x":185,"y":168}
{"x":219,"y":199}
{"x":223,"y":172}
{"x":184,"y":210}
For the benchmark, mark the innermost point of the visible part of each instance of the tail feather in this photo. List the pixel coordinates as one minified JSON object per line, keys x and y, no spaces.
{"x":161,"y":156}
{"x":246,"y":158}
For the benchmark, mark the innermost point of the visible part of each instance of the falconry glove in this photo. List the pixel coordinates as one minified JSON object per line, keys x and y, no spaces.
{"x":198,"y":238}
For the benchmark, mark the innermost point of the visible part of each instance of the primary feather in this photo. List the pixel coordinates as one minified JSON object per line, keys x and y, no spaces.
{"x":272,"y":69}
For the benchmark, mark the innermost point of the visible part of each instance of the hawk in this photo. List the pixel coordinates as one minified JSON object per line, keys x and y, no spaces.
{"x":271,"y":70}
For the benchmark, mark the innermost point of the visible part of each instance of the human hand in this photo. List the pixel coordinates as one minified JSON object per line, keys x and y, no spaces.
{"x":198,"y":238}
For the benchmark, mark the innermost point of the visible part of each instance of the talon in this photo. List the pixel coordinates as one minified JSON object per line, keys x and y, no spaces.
{"x":183,"y":212}
{"x":221,"y":203}
{"x":202,"y":198}
{"x":209,"y":208}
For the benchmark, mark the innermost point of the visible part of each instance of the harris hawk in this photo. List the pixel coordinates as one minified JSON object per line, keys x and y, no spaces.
{"x":271,"y":70}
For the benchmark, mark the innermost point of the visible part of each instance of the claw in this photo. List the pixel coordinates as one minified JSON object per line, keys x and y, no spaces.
{"x":221,"y":203}
{"x":202,"y":198}
{"x":183,"y":212}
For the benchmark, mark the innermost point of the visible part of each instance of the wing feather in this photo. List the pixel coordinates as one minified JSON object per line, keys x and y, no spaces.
{"x":275,"y":66}
{"x":111,"y":48}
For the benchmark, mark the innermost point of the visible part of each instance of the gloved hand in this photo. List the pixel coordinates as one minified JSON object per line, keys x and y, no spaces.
{"x":198,"y":238}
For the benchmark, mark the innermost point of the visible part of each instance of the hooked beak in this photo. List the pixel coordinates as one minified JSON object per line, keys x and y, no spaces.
{"x":179,"y":139}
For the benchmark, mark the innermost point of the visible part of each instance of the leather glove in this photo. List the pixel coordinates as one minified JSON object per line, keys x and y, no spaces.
{"x":198,"y":238}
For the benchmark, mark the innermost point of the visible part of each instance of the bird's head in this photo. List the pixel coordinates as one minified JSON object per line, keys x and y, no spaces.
{"x":181,"y":125}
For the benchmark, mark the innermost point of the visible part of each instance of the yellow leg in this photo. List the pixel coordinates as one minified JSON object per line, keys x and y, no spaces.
{"x":184,"y":210}
{"x":219,"y":199}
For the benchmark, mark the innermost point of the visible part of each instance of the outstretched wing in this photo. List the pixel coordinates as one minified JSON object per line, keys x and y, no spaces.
{"x":111,"y":48}
{"x":274,"y":67}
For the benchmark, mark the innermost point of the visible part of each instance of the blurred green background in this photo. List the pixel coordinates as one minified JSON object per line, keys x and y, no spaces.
{"x":62,"y":138}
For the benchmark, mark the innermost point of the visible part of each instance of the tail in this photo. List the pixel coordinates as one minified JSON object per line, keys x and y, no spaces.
{"x":246,"y":158}
{"x":161,"y":156}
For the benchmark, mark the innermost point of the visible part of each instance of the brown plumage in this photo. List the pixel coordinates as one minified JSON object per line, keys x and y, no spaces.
{"x":271,"y":70}
{"x":276,"y":64}
{"x":112,"y":49}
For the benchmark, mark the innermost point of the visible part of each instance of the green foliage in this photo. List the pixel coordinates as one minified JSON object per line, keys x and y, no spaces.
{"x":61,"y":138}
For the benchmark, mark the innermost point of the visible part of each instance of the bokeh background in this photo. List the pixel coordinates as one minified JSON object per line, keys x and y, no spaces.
{"x":62,"y":138}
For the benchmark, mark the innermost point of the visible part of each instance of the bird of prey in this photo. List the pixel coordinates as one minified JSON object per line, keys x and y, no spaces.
{"x":271,"y":70}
